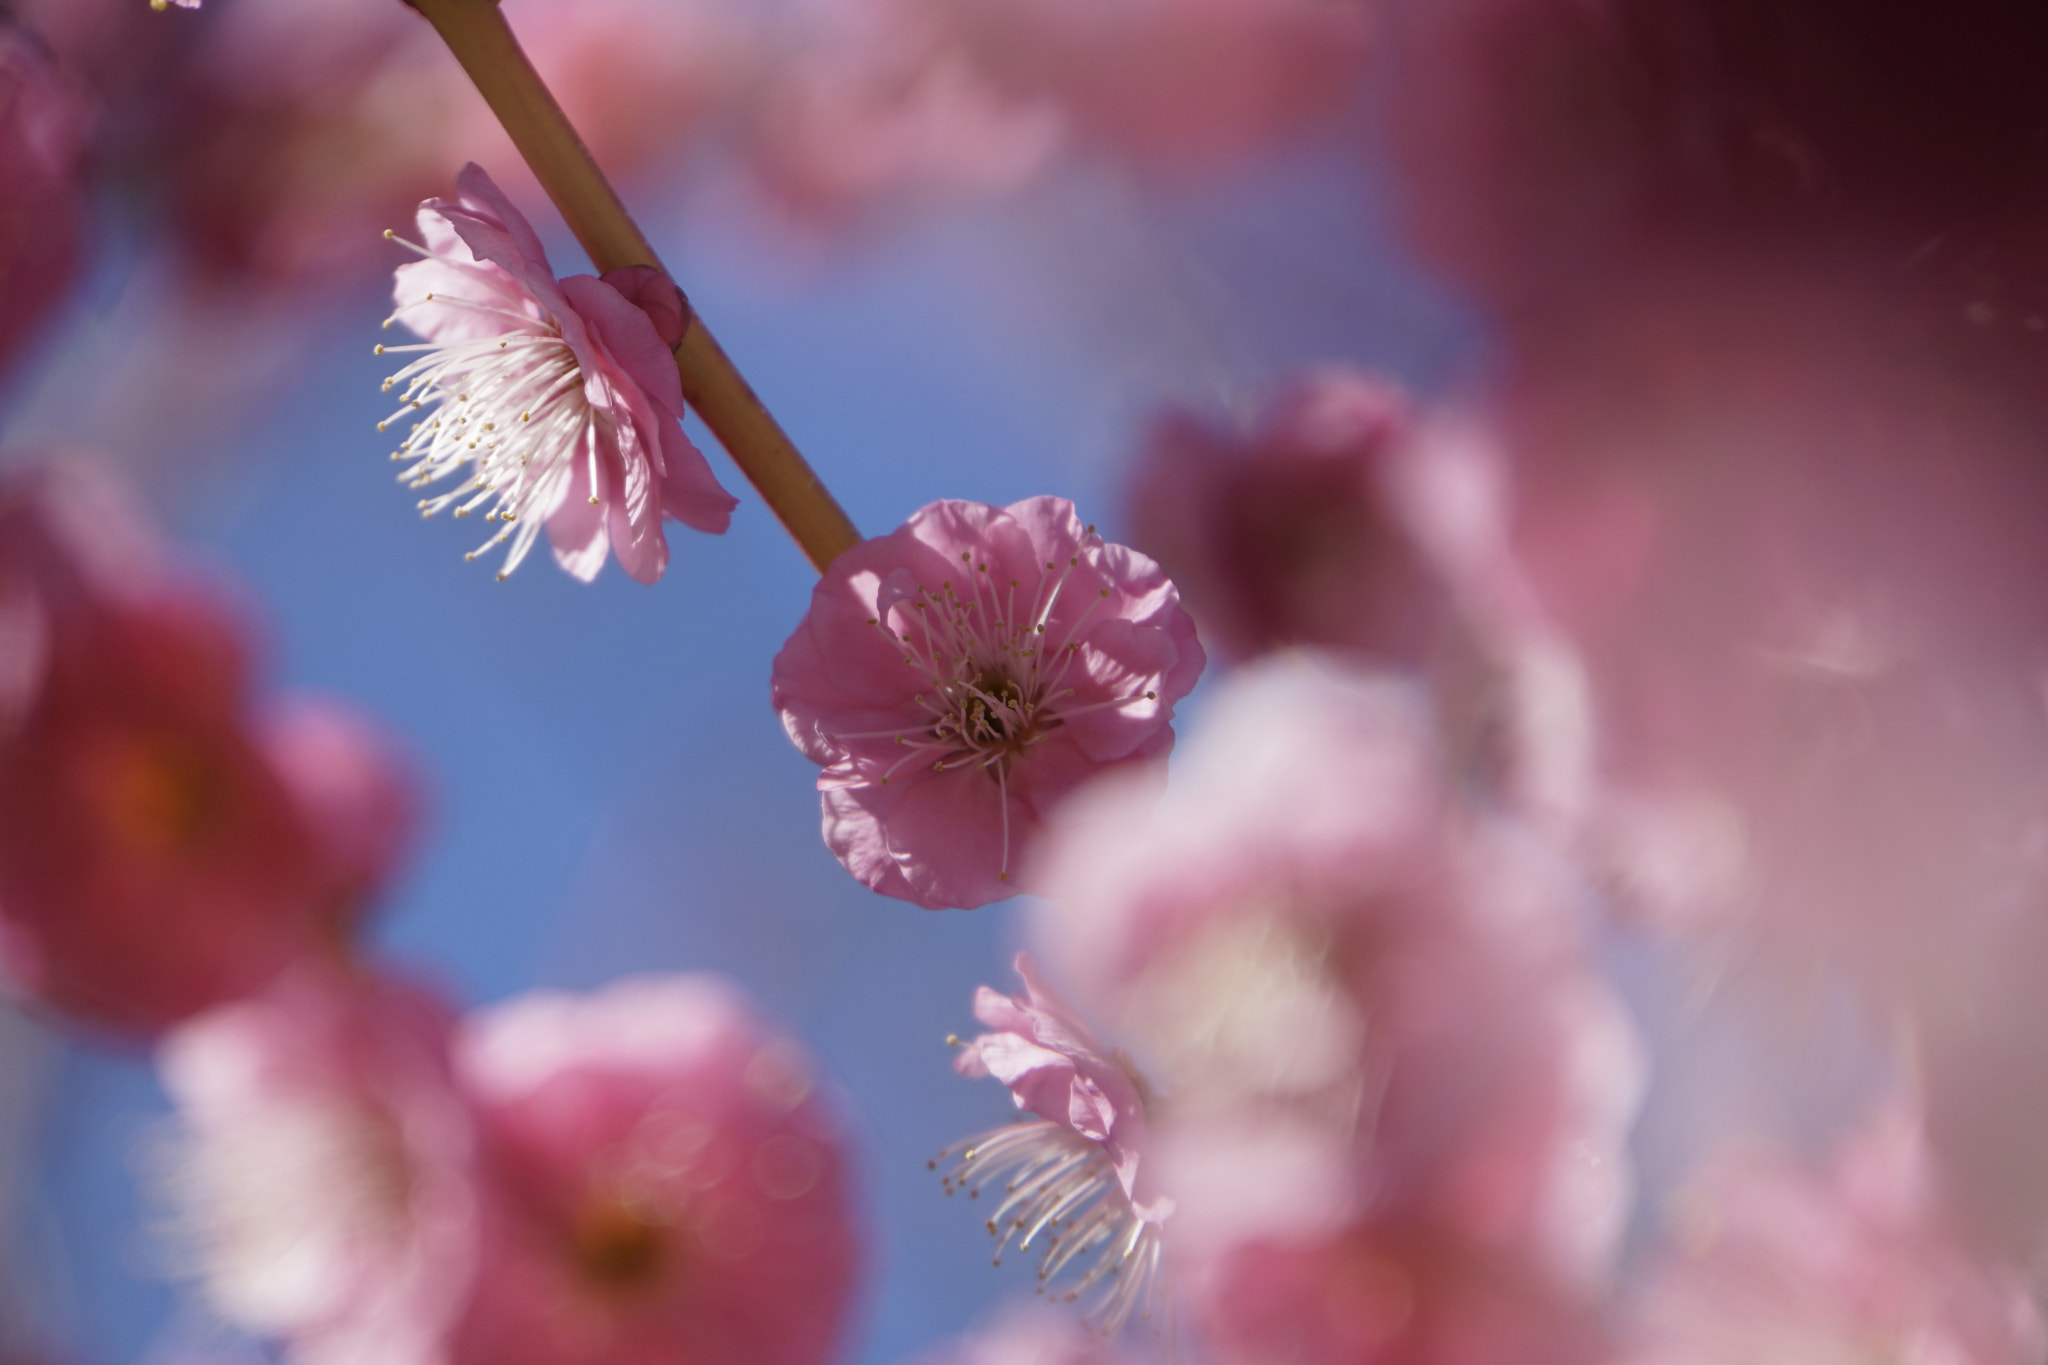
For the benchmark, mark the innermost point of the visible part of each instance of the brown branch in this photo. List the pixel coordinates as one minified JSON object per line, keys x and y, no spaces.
{"x":482,"y":42}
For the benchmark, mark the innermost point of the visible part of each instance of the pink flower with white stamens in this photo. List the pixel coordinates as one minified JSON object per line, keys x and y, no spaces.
{"x":1071,"y":1175}
{"x":553,"y":402}
{"x":960,"y":676}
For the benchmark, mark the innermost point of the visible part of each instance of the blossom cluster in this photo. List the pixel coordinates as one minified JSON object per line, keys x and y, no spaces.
{"x":1413,"y":830}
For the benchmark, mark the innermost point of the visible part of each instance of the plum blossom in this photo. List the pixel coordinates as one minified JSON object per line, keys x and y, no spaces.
{"x":1187,"y":86}
{"x":959,"y":677}
{"x":321,"y":1178}
{"x":1292,"y":533}
{"x":152,"y":860}
{"x":291,"y":131}
{"x":672,"y":1183}
{"x":1027,"y":1334}
{"x":1393,"y":1291}
{"x":554,"y":402}
{"x":1289,"y":944}
{"x":876,"y":113}
{"x":1071,"y":1175}
{"x":1855,"y":1262}
{"x":1819,"y":721}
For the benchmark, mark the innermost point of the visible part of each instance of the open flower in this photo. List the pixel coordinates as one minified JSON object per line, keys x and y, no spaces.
{"x":1070,"y":1175}
{"x":321,"y":1177}
{"x":672,"y":1184}
{"x":551,"y":401}
{"x":1290,"y":943}
{"x":959,"y":676}
{"x":152,"y":860}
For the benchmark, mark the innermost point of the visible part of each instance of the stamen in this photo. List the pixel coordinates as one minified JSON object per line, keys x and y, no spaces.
{"x":1064,"y":1187}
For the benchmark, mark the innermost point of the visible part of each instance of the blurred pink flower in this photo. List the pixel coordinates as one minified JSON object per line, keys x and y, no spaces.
{"x":151,"y":860}
{"x":322,"y":1178}
{"x":1073,"y":1174}
{"x":1820,"y":727}
{"x":875,"y":114}
{"x":1392,"y":1293}
{"x":294,"y":131}
{"x":1027,"y":1334}
{"x":555,"y":402}
{"x":672,"y":1185}
{"x":1292,"y":533}
{"x":356,"y":788}
{"x":1289,"y":943}
{"x":959,"y":677}
{"x":43,"y":125}
{"x":1853,"y":1263}
{"x":1185,"y":85}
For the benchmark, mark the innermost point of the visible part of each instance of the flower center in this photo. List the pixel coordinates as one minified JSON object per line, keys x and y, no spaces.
{"x":991,"y":713}
{"x":161,"y":795}
{"x":613,"y":1245}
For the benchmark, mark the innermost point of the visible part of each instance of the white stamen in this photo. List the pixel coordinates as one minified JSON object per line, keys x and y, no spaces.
{"x":523,"y":469}
{"x":1064,"y":1185}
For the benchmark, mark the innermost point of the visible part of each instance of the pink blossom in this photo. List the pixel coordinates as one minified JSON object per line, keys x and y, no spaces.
{"x":323,"y":1177}
{"x":1027,"y":1334}
{"x":356,"y":788}
{"x":555,"y":402}
{"x":875,"y":113}
{"x":1056,"y":1069}
{"x":43,"y":122}
{"x":1392,"y":1293}
{"x":1289,"y":943}
{"x":1187,"y":85}
{"x":1072,"y":1176}
{"x":672,"y":1183}
{"x":151,"y":860}
{"x":1819,"y":721}
{"x":959,"y":677}
{"x":294,"y":131}
{"x":1855,"y":1262}
{"x":1292,"y":533}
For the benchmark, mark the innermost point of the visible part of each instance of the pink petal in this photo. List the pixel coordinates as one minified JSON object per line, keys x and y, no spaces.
{"x":628,"y":336}
{"x":576,"y":529}
{"x":690,"y":492}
